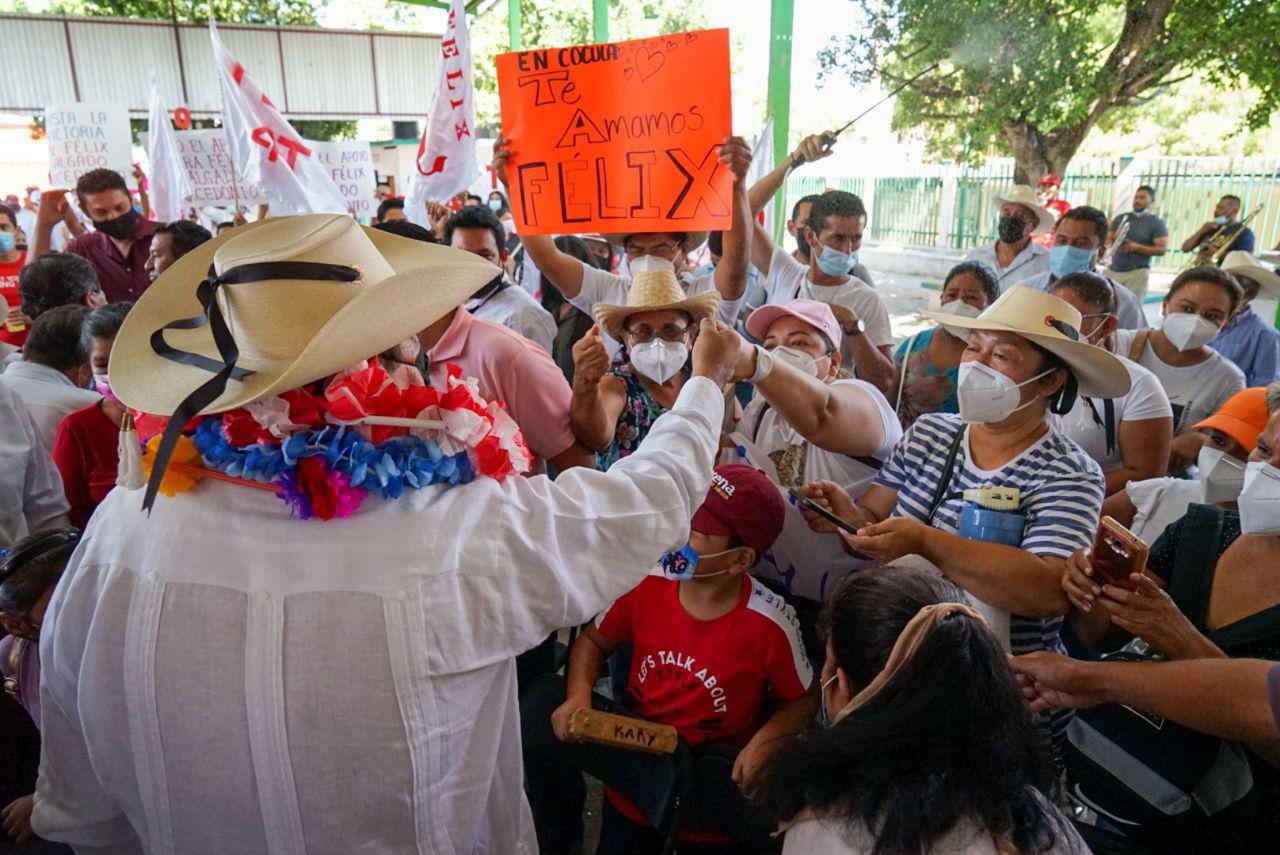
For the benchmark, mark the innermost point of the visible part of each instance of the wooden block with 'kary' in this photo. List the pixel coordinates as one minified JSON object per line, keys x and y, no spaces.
{"x":602,"y":728}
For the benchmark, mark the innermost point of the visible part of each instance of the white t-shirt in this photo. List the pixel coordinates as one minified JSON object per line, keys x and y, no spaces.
{"x":807,"y":563}
{"x":788,"y":280}
{"x":1087,"y":424}
{"x":601,"y":286}
{"x":1195,"y":391}
{"x":1161,"y":502}
{"x":515,"y":309}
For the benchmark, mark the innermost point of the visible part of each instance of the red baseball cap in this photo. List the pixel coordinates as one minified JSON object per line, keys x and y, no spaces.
{"x":742,"y":501}
{"x":1050,"y":179}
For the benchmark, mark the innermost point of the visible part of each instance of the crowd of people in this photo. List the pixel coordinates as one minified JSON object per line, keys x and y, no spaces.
{"x":419,"y":496}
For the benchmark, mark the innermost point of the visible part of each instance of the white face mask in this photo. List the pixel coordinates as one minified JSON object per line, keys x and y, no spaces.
{"x":986,"y":396}
{"x":797,"y":359}
{"x":1221,"y":474}
{"x":1260,"y":499}
{"x":960,"y":309}
{"x":659,"y":360}
{"x":1187,"y":330}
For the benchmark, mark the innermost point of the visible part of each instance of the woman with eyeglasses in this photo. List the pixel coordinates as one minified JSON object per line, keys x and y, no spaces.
{"x":29,"y":571}
{"x":615,"y":403}
{"x":1197,"y":379}
{"x":1129,"y":436}
{"x":930,"y":747}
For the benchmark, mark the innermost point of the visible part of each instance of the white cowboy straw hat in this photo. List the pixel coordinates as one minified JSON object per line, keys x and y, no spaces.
{"x":1022,"y":194}
{"x":1053,"y":324}
{"x":300,"y":298}
{"x":692,"y":240}
{"x":653,"y":288}
{"x":1245,"y":264}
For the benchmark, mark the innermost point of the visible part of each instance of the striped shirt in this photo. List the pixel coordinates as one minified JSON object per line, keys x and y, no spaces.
{"x":1061,"y":488}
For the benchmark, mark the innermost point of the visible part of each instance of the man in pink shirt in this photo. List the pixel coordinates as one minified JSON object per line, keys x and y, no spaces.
{"x":512,"y":369}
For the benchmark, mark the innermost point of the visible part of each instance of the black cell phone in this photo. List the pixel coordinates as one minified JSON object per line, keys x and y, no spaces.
{"x":821,"y":511}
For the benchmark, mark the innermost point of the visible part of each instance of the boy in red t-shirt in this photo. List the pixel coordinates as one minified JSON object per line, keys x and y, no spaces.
{"x":13,"y":255}
{"x":713,"y":650}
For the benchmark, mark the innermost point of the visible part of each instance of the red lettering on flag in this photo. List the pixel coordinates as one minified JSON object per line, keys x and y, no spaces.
{"x":449,"y":48}
{"x":237,"y":73}
{"x":452,"y":76}
{"x":264,"y":137}
{"x":462,"y":130}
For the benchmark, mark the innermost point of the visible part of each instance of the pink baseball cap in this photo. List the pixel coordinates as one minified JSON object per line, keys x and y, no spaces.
{"x":813,"y":313}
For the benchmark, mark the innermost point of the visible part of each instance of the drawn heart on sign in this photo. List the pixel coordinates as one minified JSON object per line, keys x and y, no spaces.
{"x":627,"y":72}
{"x":649,"y":63}
{"x":672,"y":44}
{"x":690,"y":37}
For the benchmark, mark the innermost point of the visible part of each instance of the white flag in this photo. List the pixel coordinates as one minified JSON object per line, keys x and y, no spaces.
{"x":761,"y":165}
{"x":170,"y":188}
{"x":266,"y":149}
{"x":447,"y":152}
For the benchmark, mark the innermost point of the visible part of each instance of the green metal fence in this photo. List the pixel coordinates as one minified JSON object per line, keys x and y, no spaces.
{"x":908,"y":209}
{"x":952,"y":207}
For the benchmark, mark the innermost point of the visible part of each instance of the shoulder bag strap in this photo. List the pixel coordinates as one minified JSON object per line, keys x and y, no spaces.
{"x":1139,"y":345}
{"x":902,"y":377}
{"x":944,"y":480}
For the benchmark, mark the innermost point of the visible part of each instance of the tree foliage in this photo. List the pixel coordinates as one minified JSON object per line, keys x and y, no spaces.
{"x":280,"y":12}
{"x":1035,"y":77}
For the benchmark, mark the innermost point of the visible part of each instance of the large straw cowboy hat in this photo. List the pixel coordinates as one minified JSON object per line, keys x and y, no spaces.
{"x":278,"y":304}
{"x":1053,"y":324}
{"x":1022,"y":194}
{"x":1244,"y":264}
{"x":654,"y":287}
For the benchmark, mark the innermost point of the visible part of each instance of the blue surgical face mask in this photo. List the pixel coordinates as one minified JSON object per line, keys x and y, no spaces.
{"x":8,"y":240}
{"x":1221,"y":221}
{"x":1140,"y":211}
{"x":1065,"y":259}
{"x":495,"y":205}
{"x":833,"y":262}
{"x":682,"y":564}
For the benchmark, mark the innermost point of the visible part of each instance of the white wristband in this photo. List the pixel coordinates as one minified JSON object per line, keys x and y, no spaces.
{"x":764,"y":365}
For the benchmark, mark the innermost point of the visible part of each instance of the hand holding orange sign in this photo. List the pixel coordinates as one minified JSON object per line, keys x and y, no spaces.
{"x":618,"y":136}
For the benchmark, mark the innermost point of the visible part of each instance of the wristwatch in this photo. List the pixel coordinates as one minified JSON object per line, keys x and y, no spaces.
{"x":764,"y":365}
{"x":857,"y":328}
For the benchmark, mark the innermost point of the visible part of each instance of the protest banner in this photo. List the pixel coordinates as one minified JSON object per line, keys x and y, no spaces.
{"x":619,"y":136}
{"x":207,"y":163}
{"x":84,"y":136}
{"x":351,"y":165}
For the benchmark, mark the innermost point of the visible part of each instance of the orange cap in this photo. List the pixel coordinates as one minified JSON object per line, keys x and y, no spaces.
{"x":1241,"y":417}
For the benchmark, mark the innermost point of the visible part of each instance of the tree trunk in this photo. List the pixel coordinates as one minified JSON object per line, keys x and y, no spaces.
{"x":1035,"y":153}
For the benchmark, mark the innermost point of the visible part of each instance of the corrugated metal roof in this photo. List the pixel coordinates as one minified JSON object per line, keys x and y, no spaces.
{"x":308,"y":72}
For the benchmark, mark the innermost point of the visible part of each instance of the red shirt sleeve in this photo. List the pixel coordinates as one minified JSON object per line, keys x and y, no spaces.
{"x":616,"y":623}
{"x":790,"y":674}
{"x":69,"y":450}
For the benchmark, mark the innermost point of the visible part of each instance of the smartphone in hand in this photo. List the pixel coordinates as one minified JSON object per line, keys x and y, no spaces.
{"x":1117,"y":553}
{"x":818,"y":509}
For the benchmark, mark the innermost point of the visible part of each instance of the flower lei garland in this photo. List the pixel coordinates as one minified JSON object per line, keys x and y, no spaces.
{"x":327,"y":453}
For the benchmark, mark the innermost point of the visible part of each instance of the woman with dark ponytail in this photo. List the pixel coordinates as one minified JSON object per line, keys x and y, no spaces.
{"x":931,"y":747}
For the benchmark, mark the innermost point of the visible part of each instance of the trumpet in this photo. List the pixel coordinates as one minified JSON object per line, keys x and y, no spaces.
{"x":1214,"y":249}
{"x":1122,"y":234}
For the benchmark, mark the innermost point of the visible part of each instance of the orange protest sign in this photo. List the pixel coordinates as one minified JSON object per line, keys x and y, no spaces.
{"x":619,"y":137}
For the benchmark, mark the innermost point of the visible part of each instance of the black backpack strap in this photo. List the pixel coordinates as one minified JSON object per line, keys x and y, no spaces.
{"x":1199,"y":546}
{"x":944,"y":480}
{"x":1256,"y":628}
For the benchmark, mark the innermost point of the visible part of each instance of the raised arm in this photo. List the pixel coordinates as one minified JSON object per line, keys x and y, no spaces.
{"x":763,"y":191}
{"x":842,"y":418}
{"x":731,"y":272}
{"x":53,"y":209}
{"x":561,"y":268}
{"x":598,"y":399}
